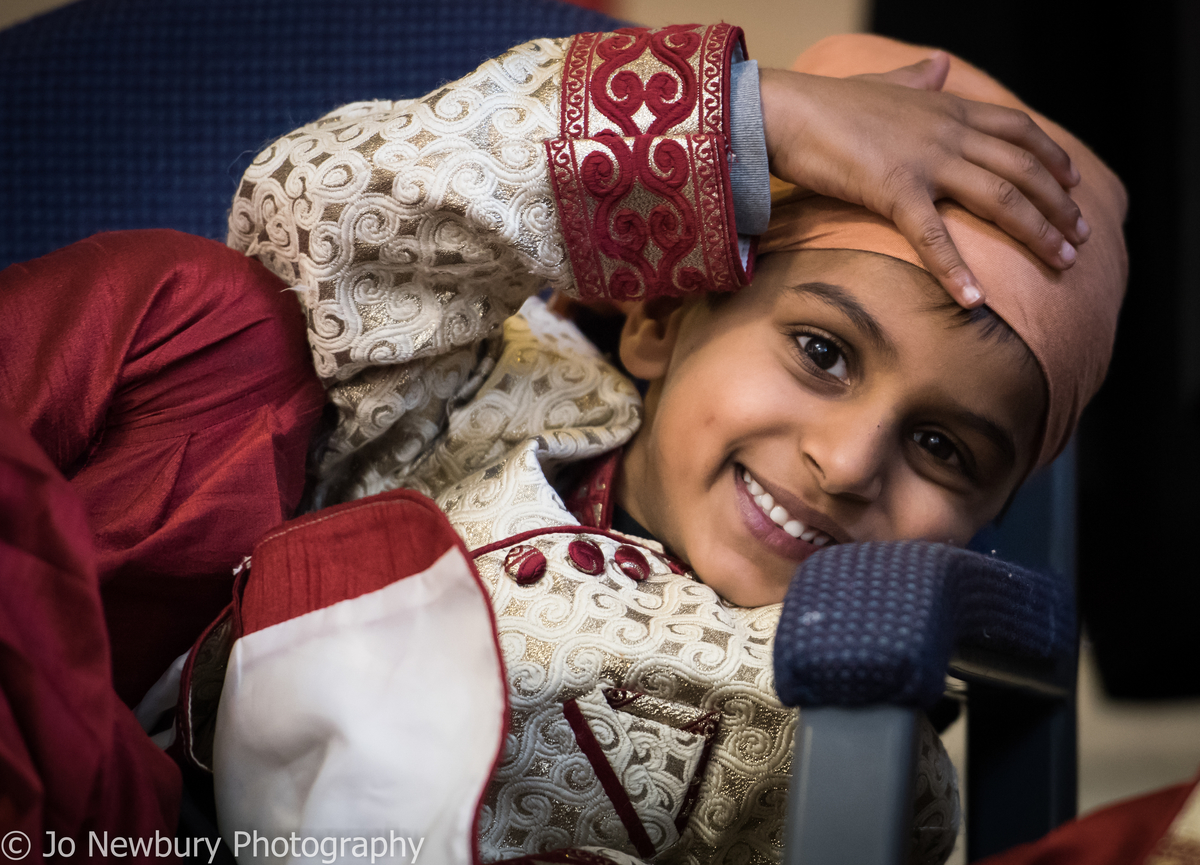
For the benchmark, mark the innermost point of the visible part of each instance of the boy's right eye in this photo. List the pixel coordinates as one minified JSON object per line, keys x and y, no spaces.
{"x":824,"y":354}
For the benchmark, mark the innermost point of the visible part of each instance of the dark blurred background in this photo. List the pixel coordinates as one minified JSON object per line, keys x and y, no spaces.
{"x":1128,"y":84}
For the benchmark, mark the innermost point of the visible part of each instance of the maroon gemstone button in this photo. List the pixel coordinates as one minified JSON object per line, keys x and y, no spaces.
{"x":525,"y":564}
{"x":632,"y":563}
{"x":586,"y":556}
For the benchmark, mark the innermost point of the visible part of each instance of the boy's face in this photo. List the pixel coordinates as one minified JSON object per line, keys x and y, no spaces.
{"x":833,"y":386}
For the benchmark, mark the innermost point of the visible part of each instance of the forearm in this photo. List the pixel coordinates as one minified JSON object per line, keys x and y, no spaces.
{"x":381,"y":212}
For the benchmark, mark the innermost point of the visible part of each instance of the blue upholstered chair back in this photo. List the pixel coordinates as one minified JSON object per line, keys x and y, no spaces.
{"x":144,"y":113}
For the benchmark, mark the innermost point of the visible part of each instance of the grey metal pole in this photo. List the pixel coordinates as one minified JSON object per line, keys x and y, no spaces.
{"x":850,"y":801}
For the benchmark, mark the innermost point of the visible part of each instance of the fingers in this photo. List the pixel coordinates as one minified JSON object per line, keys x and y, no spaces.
{"x":920,"y":223}
{"x":898,"y":149}
{"x":991,"y":197}
{"x":1034,"y":196}
{"x":1018,"y":128}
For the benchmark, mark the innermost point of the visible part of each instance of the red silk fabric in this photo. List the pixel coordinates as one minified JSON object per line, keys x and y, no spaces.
{"x":301,"y":567}
{"x":168,"y":378}
{"x":1127,"y":833}
{"x":72,"y":756}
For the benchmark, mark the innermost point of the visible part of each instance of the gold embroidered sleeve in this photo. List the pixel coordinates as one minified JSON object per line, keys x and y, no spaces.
{"x":410,"y":230}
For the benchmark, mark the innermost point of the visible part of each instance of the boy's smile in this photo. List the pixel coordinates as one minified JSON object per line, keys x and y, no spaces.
{"x":833,"y":400}
{"x":781,"y":520}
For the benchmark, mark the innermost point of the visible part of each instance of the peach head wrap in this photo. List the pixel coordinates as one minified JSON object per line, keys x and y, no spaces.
{"x":1067,"y":319}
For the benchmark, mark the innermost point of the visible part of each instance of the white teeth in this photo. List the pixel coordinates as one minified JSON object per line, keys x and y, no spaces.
{"x":779,"y":515}
{"x":752,"y":484}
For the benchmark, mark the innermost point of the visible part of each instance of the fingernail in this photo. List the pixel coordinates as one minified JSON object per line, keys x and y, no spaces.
{"x":971,"y":294}
{"x":1066,"y":252}
{"x":1082,"y":228}
{"x":1075,"y":178}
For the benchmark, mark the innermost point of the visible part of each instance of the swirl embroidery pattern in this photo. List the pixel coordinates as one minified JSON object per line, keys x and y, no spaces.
{"x":410,"y":230}
{"x":640,"y":173}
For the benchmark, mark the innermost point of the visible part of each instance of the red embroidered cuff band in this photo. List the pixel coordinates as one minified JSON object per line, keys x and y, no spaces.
{"x":641,"y":174}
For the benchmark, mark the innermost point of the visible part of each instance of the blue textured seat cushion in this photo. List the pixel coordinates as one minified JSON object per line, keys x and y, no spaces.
{"x":876,"y":622}
{"x":144,"y":113}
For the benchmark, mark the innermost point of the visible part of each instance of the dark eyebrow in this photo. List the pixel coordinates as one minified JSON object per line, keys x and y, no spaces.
{"x":848,"y":305}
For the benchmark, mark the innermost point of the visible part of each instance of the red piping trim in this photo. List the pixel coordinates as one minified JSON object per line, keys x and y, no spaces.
{"x":568,"y":856}
{"x":608,"y":779}
{"x":504,"y":719}
{"x":619,"y":698}
{"x":566,"y":530}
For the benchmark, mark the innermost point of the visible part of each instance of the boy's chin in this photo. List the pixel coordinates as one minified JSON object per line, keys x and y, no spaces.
{"x":750,"y":586}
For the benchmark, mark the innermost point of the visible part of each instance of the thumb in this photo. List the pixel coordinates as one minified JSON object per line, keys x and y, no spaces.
{"x":929,"y":74}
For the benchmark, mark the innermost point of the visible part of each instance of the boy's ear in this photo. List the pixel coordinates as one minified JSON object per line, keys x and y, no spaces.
{"x":648,"y":337}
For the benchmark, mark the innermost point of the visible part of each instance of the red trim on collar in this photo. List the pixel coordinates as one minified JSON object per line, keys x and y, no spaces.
{"x":676,"y":564}
{"x":591,"y":501}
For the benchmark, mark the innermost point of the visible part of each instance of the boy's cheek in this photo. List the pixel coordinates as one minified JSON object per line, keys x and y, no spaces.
{"x":935,"y":516}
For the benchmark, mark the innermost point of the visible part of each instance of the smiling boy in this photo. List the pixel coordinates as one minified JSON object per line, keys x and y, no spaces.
{"x":495,"y":653}
{"x":542,"y":618}
{"x":836,"y":399}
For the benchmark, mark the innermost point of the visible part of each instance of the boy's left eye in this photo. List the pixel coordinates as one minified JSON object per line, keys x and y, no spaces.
{"x":824,"y":354}
{"x":939,"y":446}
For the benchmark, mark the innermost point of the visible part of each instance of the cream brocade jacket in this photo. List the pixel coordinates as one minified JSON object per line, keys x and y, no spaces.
{"x":616,"y":704}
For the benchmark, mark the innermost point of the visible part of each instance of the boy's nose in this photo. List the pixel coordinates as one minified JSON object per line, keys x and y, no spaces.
{"x":848,"y":461}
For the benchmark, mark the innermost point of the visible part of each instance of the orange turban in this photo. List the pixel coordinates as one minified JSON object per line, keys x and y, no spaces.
{"x":1068,"y":319}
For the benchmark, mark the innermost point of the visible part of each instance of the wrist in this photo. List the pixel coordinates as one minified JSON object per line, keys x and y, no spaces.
{"x":787,"y":107}
{"x":773,"y":92}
